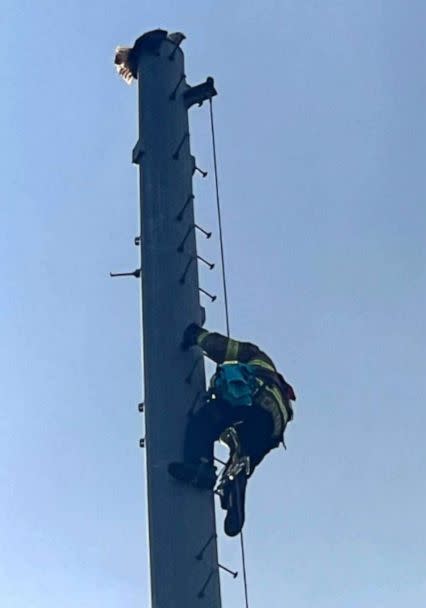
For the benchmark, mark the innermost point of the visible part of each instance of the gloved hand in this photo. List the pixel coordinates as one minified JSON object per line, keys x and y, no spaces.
{"x":190,"y":336}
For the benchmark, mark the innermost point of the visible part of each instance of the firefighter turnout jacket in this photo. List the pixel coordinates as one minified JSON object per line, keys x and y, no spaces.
{"x":275,"y":394}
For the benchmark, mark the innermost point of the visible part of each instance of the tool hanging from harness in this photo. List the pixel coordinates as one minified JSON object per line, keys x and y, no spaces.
{"x":235,"y":383}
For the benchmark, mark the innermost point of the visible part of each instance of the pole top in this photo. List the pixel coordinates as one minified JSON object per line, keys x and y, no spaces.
{"x":126,"y":57}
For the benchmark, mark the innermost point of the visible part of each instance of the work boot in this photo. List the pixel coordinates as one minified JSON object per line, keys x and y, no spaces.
{"x":235,"y":517}
{"x":201,"y":475}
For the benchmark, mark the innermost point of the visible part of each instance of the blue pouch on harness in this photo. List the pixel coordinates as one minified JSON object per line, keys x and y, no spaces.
{"x":235,"y":383}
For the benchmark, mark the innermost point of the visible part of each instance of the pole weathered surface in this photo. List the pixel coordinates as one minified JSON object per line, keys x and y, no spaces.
{"x":181,"y":518}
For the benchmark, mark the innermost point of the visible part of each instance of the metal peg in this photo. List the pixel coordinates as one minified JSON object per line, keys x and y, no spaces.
{"x":209,"y":264}
{"x":234,"y":574}
{"x":212,"y":297}
{"x":136,"y":273}
{"x":203,"y":173}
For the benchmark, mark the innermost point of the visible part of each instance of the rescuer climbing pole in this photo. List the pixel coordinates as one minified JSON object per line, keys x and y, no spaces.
{"x":182,"y":534}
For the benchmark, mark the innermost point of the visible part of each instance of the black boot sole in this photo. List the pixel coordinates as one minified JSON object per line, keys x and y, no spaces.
{"x":235,"y":517}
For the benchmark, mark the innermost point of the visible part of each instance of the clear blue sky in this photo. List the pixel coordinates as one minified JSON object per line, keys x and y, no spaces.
{"x":321,"y":133}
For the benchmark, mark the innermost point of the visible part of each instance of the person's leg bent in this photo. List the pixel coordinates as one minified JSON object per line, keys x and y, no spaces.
{"x":203,"y":429}
{"x":256,"y":435}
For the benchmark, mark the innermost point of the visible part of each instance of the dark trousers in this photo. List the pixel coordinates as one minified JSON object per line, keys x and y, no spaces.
{"x":209,"y":422}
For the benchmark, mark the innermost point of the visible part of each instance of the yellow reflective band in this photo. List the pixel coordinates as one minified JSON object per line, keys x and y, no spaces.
{"x":202,"y":336}
{"x":261,"y":363}
{"x":231,"y":350}
{"x":279,"y":399}
{"x":277,"y":394}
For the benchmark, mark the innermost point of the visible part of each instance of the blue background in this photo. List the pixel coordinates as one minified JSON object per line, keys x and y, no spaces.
{"x":321,"y":136}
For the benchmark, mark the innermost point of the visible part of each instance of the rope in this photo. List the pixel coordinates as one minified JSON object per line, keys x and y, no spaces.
{"x":219,"y":217}
{"x":228,"y":331}
{"x":243,"y":553}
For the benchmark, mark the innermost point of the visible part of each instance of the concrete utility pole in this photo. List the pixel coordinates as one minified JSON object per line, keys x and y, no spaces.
{"x":182,"y":533}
